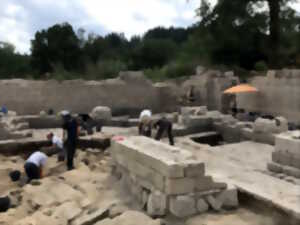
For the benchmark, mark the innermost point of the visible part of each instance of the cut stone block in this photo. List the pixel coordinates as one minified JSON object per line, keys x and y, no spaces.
{"x":183,"y":206}
{"x":228,"y":198}
{"x":157,"y":204}
{"x":156,"y":179}
{"x":166,"y":160}
{"x":194,"y":169}
{"x":202,"y":206}
{"x":204,"y":183}
{"x":274,"y":167}
{"x":214,"y":203}
{"x":180,"y":186}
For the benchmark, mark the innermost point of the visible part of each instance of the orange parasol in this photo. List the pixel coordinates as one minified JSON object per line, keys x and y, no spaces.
{"x":243,"y":88}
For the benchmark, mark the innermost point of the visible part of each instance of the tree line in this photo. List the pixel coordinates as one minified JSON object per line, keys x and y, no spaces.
{"x":243,"y":35}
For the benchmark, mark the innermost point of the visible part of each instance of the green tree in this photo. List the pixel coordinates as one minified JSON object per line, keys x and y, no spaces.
{"x":13,"y":64}
{"x":208,"y":14}
{"x":56,"y":45}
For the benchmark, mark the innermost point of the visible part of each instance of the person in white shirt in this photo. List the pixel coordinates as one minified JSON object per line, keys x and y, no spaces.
{"x":34,"y":165}
{"x":145,"y":127}
{"x":57,"y":146}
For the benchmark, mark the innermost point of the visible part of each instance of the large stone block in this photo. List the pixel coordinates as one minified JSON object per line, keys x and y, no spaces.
{"x":156,"y":179}
{"x":157,"y":204}
{"x":214,"y":203}
{"x":228,"y":198}
{"x":202,"y":206}
{"x":166,"y":160}
{"x":180,"y":186}
{"x":204,"y":183}
{"x":194,"y":168}
{"x":183,"y":206}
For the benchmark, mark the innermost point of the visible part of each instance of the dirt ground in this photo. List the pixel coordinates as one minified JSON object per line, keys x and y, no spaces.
{"x":92,"y":177}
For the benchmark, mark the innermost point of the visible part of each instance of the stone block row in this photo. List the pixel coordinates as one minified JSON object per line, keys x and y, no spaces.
{"x":165,"y":179}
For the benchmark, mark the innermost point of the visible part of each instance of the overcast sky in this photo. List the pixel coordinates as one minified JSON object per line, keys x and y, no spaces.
{"x":20,"y":19}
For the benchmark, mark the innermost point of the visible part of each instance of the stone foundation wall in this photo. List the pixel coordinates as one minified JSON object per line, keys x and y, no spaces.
{"x":124,"y":95}
{"x":165,"y":179}
{"x":128,"y":94}
{"x":286,"y":157}
{"x":279,"y":95}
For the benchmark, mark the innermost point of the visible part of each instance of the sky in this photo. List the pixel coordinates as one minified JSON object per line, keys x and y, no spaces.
{"x":20,"y":19}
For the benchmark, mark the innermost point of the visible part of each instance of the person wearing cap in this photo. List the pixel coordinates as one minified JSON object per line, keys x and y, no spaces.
{"x":57,"y":146}
{"x":34,"y":165}
{"x":145,"y":128}
{"x":70,"y":135}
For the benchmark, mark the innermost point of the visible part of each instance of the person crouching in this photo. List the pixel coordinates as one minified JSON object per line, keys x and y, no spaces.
{"x":34,"y":165}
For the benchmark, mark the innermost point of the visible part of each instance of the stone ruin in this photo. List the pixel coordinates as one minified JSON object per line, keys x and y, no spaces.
{"x":286,"y":157}
{"x":166,"y":179}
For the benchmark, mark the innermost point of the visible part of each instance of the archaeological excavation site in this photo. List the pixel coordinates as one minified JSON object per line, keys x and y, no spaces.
{"x":166,"y":153}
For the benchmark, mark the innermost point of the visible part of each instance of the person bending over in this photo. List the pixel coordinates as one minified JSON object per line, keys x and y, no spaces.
{"x":34,"y":165}
{"x":57,"y":146}
{"x":145,"y":124}
{"x":164,"y":125}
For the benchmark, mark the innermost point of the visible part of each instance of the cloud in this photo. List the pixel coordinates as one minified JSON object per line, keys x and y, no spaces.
{"x":20,"y":19}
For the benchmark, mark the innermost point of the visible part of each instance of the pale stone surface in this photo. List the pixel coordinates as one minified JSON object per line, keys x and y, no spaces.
{"x":166,"y":159}
{"x":91,"y":218}
{"x":38,"y":219}
{"x":244,"y":165}
{"x":130,"y":218}
{"x":50,"y":192}
{"x":67,"y":211}
{"x":183,"y":206}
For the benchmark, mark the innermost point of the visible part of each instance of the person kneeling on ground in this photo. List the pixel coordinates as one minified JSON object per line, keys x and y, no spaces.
{"x":163,"y":125}
{"x":70,"y":135}
{"x":145,"y":123}
{"x":34,"y":165}
{"x":57,"y":146}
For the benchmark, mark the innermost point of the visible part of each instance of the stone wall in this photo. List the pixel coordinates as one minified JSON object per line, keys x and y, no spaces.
{"x":128,"y":94}
{"x":279,"y":95}
{"x":125,"y":95}
{"x":286,"y":157}
{"x":166,"y":179}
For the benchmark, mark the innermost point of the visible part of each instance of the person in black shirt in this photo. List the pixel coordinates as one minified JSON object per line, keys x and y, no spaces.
{"x":70,"y":129}
{"x":163,"y":125}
